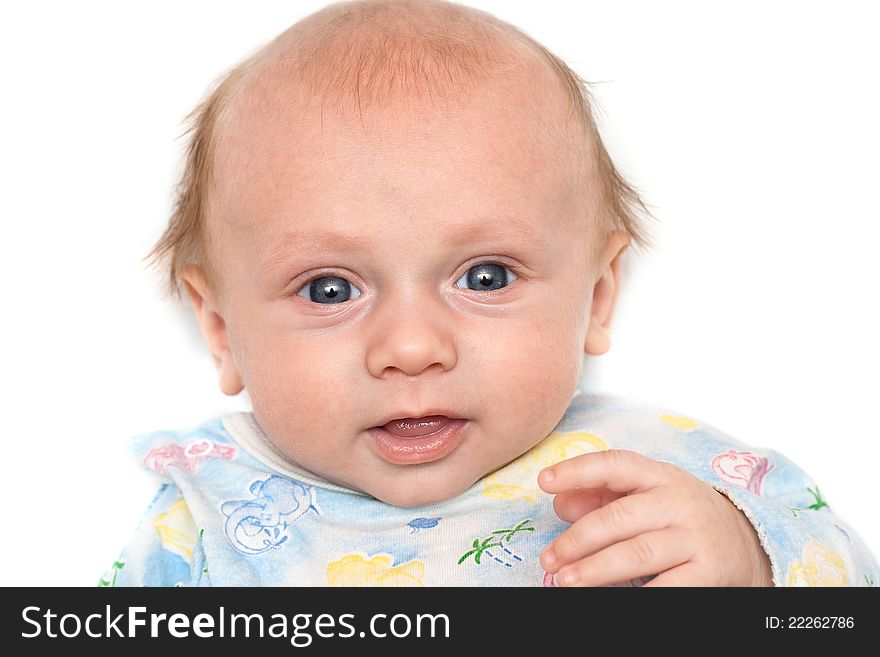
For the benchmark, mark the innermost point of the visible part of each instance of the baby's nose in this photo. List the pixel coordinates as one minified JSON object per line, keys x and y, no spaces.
{"x":410,"y":340}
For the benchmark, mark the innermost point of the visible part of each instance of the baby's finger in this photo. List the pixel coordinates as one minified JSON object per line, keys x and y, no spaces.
{"x":573,"y":505}
{"x":686,"y":574}
{"x":645,"y":554}
{"x":622,"y":519}
{"x":618,"y":470}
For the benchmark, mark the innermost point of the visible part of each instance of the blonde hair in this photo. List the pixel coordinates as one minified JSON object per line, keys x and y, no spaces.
{"x":369,"y":51}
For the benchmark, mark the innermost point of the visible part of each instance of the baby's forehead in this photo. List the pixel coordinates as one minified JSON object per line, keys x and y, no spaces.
{"x":482,"y":147}
{"x":278,"y":124}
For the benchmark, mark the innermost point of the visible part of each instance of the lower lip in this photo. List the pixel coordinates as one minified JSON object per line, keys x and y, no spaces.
{"x":421,"y":449}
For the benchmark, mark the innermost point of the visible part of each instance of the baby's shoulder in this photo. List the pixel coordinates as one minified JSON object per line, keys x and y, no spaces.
{"x":649,"y":428}
{"x":186,"y":448}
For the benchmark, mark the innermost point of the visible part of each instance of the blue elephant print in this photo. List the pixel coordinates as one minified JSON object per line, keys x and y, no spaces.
{"x":262,"y":523}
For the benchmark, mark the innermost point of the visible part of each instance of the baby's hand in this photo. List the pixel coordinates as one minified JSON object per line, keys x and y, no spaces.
{"x":633,"y":516}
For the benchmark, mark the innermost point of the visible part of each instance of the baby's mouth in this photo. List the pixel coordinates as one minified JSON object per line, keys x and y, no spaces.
{"x":417,"y":427}
{"x":413,"y":440}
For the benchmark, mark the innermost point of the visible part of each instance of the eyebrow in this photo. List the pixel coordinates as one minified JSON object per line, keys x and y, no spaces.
{"x":486,"y":228}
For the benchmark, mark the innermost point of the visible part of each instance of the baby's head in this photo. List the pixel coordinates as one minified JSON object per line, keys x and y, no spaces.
{"x":401,"y":210}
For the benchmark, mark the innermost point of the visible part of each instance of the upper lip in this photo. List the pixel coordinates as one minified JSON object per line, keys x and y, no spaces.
{"x":402,"y":415}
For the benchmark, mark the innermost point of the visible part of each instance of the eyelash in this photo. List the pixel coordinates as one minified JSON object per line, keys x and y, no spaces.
{"x":303,"y":291}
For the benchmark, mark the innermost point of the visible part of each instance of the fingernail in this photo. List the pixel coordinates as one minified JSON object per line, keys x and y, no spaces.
{"x":548,"y":475}
{"x":549,"y":558}
{"x":567,"y":577}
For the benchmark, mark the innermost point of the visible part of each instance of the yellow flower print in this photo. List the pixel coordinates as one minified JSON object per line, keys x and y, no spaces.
{"x":177,"y":532}
{"x":683,"y":423}
{"x":519,"y":479}
{"x":359,"y":570}
{"x":819,"y":566}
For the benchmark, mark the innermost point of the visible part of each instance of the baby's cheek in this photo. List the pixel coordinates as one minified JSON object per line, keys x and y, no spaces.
{"x":543,"y":366}
{"x":293,"y":382}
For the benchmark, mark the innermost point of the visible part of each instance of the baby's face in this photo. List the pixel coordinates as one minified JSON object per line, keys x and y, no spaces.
{"x":425,"y":262}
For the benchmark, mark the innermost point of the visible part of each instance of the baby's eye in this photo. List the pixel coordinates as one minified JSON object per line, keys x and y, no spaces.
{"x":329,"y":289}
{"x":487,"y":276}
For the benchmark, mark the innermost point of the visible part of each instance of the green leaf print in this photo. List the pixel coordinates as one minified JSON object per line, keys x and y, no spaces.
{"x":109,"y":578}
{"x":479,"y":548}
{"x":819,"y":503}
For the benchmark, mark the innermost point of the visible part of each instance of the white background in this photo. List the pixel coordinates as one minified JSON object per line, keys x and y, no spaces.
{"x":751,"y":129}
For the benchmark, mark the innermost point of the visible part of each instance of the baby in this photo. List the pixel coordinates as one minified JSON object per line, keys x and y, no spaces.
{"x":400,"y":234}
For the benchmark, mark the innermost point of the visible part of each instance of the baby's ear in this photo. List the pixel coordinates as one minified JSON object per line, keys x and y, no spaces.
{"x":605,"y":293}
{"x":213,"y":327}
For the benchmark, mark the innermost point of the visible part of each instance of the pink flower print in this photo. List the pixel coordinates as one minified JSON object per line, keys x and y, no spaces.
{"x":187,"y":458}
{"x":197,"y":447}
{"x":203,"y":449}
{"x":744,"y":469}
